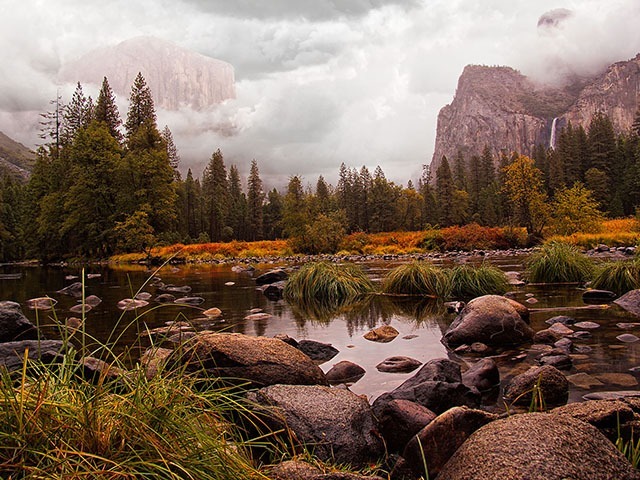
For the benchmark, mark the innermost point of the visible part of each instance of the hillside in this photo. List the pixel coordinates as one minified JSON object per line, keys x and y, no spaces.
{"x":15,"y":159}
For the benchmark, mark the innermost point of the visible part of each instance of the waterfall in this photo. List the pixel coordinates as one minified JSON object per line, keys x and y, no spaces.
{"x":552,"y":140}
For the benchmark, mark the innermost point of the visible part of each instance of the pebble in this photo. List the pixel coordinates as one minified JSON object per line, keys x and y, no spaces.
{"x":587,"y":325}
{"x":627,"y":338}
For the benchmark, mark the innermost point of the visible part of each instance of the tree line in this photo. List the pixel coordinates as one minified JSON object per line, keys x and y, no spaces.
{"x":102,"y":186}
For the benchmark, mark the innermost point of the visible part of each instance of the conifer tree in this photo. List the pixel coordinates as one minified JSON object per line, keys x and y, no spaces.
{"x":77,"y":114}
{"x":444,"y":193}
{"x":272,"y":215}
{"x":294,"y":215}
{"x":172,"y":151}
{"x":237,"y":214}
{"x":255,"y":203}
{"x":141,"y":107}
{"x":106,"y":110}
{"x":214,"y":191}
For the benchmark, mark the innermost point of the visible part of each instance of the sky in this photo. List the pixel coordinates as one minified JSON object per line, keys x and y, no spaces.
{"x":318,"y":82}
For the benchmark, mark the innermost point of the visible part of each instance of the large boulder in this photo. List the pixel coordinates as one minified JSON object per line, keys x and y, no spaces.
{"x":490,"y":319}
{"x":547,"y":383}
{"x":12,"y":353}
{"x":483,"y":375}
{"x":439,"y":440}
{"x":400,"y":420}
{"x":299,"y":470}
{"x":630,"y":301}
{"x":272,"y":276}
{"x":336,"y":424}
{"x":437,"y":386}
{"x":14,"y":325}
{"x":538,"y":446}
{"x":260,"y":360}
{"x":611,"y":417}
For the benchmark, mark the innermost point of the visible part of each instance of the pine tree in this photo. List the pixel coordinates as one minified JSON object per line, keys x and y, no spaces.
{"x":214,"y":191}
{"x":295,"y":215}
{"x":444,"y":193}
{"x":237,"y":215}
{"x":106,"y":110}
{"x":272,"y":215}
{"x":77,"y":114}
{"x":141,"y":107}
{"x":172,"y":151}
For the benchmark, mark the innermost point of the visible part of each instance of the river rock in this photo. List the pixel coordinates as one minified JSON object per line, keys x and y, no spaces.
{"x":630,"y":301}
{"x":439,"y":440}
{"x":611,"y":395}
{"x":272,"y":276}
{"x":176,"y":289}
{"x":95,"y":370}
{"x":437,"y":386}
{"x":490,"y":319}
{"x":80,"y":308}
{"x":547,"y":336}
{"x":258,"y":316}
{"x":400,"y":420}
{"x":553,"y":385}
{"x":47,"y":351}
{"x":74,"y":290}
{"x":41,"y":303}
{"x":128,"y":304}
{"x":587,"y":325}
{"x":345,"y":372}
{"x":213,"y":312}
{"x":154,"y":359}
{"x":483,"y":375}
{"x":595,"y":296}
{"x":93,"y":300}
{"x":557,"y":359}
{"x":165,"y":298}
{"x":274,"y":291}
{"x":260,"y":360}
{"x":317,"y":351}
{"x":563,"y":319}
{"x":146,"y":296}
{"x":14,"y":325}
{"x":538,"y":446}
{"x":606,"y":415}
{"x":584,"y":380}
{"x":189,"y":301}
{"x":561,"y":329}
{"x":299,"y":470}
{"x":627,"y":338}
{"x":382,"y":334}
{"x":398,"y":364}
{"x":337,"y":423}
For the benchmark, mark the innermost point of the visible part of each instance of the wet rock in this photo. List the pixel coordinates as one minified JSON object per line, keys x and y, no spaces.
{"x":73,"y":290}
{"x":611,"y":395}
{"x":259,"y":360}
{"x":154,"y":359}
{"x":14,"y":325}
{"x":548,"y":380}
{"x":146,"y":296}
{"x":606,"y":415}
{"x":287,"y":339}
{"x":165,"y":298}
{"x":537,"y":446}
{"x":93,"y":301}
{"x":400,"y":420}
{"x":94,"y":369}
{"x":212,"y":312}
{"x":437,"y":386}
{"x":454,"y":307}
{"x":175,"y":328}
{"x":440,"y":439}
{"x":580,"y":334}
{"x":514,"y":278}
{"x":483,"y":375}
{"x":398,"y":364}
{"x":563,"y":319}
{"x":630,"y":301}
{"x":345,"y":372}
{"x":492,"y":320}
{"x":547,"y":336}
{"x":12,"y":353}
{"x":41,"y":303}
{"x":532,"y":300}
{"x":272,"y":276}
{"x":596,"y":296}
{"x":584,"y":381}
{"x":176,"y":289}
{"x":564,"y":344}
{"x":189,"y":301}
{"x":338,"y":423}
{"x":274,"y":291}
{"x":317,"y":351}
{"x":627,"y":326}
{"x":382,"y":334}
{"x":128,"y":304}
{"x":559,"y":360}
{"x":619,"y":379}
{"x":298,"y":470}
{"x":522,"y":310}
{"x":80,"y":308}
{"x":560,"y":329}
{"x":627,"y":338}
{"x":258,"y":316}
{"x":587,"y":325}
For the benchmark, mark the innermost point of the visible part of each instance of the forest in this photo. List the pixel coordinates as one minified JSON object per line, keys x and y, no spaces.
{"x":102,"y":186}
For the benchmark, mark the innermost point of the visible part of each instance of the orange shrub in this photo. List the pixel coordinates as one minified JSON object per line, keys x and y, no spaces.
{"x":474,"y":236}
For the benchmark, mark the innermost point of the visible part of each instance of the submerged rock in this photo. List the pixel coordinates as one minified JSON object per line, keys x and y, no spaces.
{"x":74,"y":290}
{"x":398,"y":364}
{"x":345,"y":372}
{"x":128,"y":304}
{"x":317,"y":351}
{"x":272,"y":276}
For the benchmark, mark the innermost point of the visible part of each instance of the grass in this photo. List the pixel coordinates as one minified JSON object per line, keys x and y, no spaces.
{"x":557,"y":262}
{"x":417,"y":278}
{"x":620,"y":232}
{"x":474,"y":281}
{"x":618,"y":276}
{"x":327,"y":283}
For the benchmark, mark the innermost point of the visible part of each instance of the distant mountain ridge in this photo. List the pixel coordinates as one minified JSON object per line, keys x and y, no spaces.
{"x":16,"y":160}
{"x":177,"y":77}
{"x":501,"y":108}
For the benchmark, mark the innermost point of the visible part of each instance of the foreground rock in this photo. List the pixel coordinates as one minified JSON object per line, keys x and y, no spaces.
{"x":630,"y":301}
{"x":547,"y":382}
{"x":336,"y":424}
{"x":400,"y":420}
{"x":14,"y":325}
{"x":608,"y":416}
{"x":440,"y":439}
{"x":298,"y":470}
{"x":538,"y":446}
{"x":317,"y":351}
{"x":12,"y":353}
{"x":437,"y":386}
{"x":345,"y":372}
{"x":260,"y":360}
{"x":483,"y":375}
{"x":490,"y":319}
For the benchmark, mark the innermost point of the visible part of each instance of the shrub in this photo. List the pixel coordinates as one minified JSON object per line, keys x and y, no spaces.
{"x":469,"y":281}
{"x":417,"y":278}
{"x":619,"y":277}
{"x":324,"y":235}
{"x":474,"y":236}
{"x":557,"y":262}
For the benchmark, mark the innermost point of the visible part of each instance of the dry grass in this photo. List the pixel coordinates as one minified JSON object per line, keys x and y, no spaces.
{"x":614,"y":233}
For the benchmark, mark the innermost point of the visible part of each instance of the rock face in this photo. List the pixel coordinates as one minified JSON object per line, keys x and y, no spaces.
{"x":501,"y":108}
{"x":176,"y":77}
{"x":336,"y":424}
{"x":260,"y":360}
{"x":538,"y":446}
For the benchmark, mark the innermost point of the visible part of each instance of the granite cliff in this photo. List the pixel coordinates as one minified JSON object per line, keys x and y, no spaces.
{"x":500,"y":107}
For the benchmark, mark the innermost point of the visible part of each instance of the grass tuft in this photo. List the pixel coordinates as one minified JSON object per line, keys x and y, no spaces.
{"x":619,"y":277}
{"x":417,"y":278}
{"x":558,"y":262}
{"x":469,"y":281}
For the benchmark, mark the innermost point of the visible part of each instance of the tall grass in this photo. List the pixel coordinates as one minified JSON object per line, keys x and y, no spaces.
{"x":619,"y":277}
{"x":417,"y":278}
{"x":474,"y":281}
{"x":557,"y":262}
{"x":327,"y":283}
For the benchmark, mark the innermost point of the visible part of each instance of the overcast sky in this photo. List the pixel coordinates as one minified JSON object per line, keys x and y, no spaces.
{"x":318,"y":82}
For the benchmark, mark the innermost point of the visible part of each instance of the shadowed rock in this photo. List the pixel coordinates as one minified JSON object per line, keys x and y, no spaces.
{"x":272,"y":276}
{"x":345,"y":372}
{"x":551,"y":384}
{"x":630,"y":301}
{"x":400,"y":420}
{"x":14,"y":325}
{"x":317,"y":351}
{"x":483,"y":375}
{"x":12,"y":353}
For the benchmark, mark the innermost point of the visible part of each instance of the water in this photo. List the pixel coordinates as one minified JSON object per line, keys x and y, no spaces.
{"x":425,"y":322}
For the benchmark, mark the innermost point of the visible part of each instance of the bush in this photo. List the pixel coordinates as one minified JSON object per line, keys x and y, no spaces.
{"x":324,"y":235}
{"x":417,"y":278}
{"x":557,"y":262}
{"x":468,"y":281}
{"x":619,"y":277}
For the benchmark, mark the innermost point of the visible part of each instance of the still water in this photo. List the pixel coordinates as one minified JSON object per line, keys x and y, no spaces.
{"x":605,"y":359}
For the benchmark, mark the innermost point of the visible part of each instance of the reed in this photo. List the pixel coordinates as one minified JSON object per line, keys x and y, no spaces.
{"x":619,"y":276}
{"x":417,"y":278}
{"x":469,"y":281}
{"x":557,"y":262}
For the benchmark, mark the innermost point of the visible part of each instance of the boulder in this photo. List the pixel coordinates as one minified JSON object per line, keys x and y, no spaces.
{"x":437,"y":386}
{"x":596,"y":296}
{"x":538,"y":446}
{"x":272,"y":276}
{"x":490,"y":319}
{"x":553,"y":387}
{"x":345,"y":372}
{"x":317,"y":351}
{"x":483,"y":375}
{"x":400,"y":420}
{"x":563,"y":319}
{"x":336,"y":424}
{"x":14,"y":325}
{"x":73,"y":290}
{"x":608,"y":416}
{"x":260,"y":360}
{"x":382,"y":334}
{"x":299,"y":470}
{"x":12,"y":353}
{"x":398,"y":364}
{"x":440,"y":439}
{"x":630,"y":301}
{"x":274,"y":291}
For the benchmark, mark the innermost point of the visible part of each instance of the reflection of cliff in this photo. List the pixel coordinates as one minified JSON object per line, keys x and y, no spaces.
{"x":501,"y":108}
{"x":177,"y":77}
